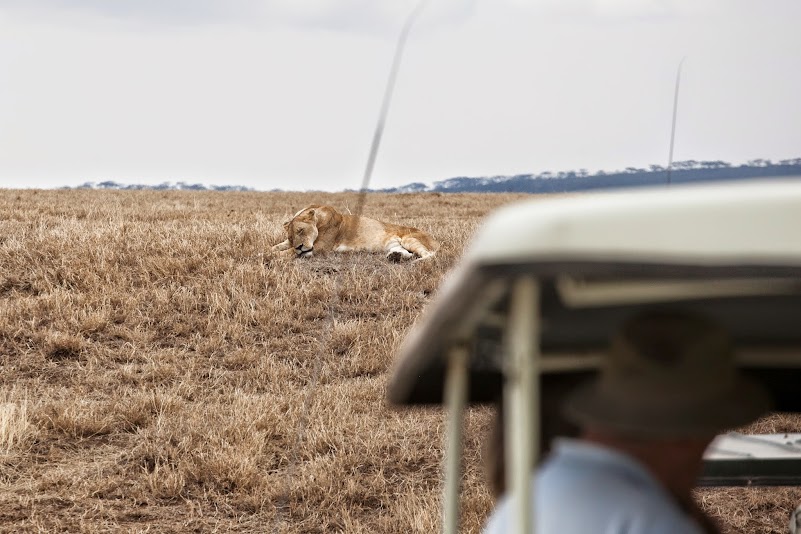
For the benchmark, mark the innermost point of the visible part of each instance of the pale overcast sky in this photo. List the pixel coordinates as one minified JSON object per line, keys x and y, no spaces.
{"x":285,"y":93}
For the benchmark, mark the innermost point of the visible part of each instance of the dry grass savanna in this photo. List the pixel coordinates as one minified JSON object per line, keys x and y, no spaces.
{"x":162,"y":372}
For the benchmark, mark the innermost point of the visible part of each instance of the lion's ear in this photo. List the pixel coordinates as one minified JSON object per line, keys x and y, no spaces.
{"x":286,"y":225}
{"x":311,"y":213}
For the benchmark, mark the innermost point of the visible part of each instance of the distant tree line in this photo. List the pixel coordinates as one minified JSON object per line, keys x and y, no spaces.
{"x":690,"y":171}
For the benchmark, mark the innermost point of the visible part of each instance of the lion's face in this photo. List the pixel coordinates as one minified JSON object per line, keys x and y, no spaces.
{"x":301,"y":234}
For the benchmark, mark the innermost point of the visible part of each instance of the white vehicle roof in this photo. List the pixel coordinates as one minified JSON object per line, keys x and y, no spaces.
{"x":733,"y":223}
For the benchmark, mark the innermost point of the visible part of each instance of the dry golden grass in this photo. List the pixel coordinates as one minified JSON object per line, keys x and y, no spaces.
{"x":161,"y":373}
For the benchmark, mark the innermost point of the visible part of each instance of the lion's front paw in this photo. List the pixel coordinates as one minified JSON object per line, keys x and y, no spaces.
{"x":284,"y":245}
{"x":279,"y":253}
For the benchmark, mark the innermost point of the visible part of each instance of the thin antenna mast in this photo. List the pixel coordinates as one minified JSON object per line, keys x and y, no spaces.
{"x":382,"y":116}
{"x":673,"y":126}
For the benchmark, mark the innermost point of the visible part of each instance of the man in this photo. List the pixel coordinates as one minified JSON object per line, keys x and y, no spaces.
{"x":667,"y":387}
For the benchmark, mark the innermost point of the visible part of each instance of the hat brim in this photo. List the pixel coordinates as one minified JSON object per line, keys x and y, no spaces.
{"x":655,"y":416}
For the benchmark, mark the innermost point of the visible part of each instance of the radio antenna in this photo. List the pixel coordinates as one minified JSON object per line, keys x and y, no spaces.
{"x":673,"y":126}
{"x":382,"y":116}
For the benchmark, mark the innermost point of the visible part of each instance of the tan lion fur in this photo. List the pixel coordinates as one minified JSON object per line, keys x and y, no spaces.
{"x":320,"y":229}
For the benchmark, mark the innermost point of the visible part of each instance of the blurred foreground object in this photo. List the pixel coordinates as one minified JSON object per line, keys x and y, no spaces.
{"x":795,"y":521}
{"x":529,"y":310}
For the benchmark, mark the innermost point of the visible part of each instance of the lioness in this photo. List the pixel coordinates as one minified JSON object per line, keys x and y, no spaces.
{"x":324,"y":229}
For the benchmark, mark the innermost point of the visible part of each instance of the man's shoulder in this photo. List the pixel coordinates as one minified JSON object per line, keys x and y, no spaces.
{"x":582,"y":485}
{"x":597,"y":513}
{"x":587,"y":488}
{"x":577,"y":463}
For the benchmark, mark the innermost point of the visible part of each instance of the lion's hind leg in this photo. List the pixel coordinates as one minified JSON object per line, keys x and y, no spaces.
{"x":397,"y":252}
{"x":415,"y":245}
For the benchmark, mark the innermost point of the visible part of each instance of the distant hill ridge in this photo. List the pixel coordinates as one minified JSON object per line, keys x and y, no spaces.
{"x":689,"y":171}
{"x":682,"y":172}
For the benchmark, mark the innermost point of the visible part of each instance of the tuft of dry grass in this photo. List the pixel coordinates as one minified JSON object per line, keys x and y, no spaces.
{"x":161,"y":371}
{"x":16,"y":431}
{"x":750,"y":510}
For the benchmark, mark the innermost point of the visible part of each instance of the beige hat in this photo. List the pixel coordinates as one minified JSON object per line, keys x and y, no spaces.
{"x":668,"y":374}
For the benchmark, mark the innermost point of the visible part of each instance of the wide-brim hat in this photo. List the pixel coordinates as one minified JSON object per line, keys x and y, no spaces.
{"x":668,"y":374}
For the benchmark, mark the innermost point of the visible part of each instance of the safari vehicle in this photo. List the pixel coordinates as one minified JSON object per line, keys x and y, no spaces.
{"x":530,"y":308}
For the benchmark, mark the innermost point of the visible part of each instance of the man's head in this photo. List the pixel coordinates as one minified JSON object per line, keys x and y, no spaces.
{"x":668,"y":375}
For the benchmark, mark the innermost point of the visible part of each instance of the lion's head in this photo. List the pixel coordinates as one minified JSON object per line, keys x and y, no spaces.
{"x":301,"y":232}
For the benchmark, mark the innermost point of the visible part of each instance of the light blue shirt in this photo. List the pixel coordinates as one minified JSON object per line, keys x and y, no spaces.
{"x":585,"y":488}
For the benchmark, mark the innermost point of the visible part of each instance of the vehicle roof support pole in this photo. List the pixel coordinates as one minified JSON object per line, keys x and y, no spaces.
{"x":521,"y":399}
{"x":456,"y":381}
